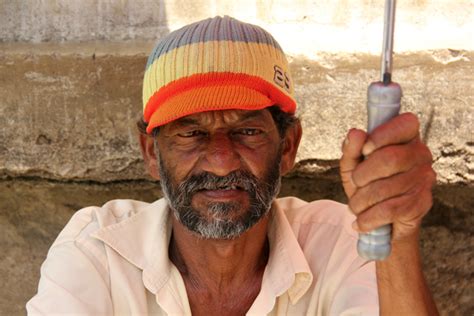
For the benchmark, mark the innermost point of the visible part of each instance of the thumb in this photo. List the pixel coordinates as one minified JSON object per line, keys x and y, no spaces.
{"x":351,"y":157}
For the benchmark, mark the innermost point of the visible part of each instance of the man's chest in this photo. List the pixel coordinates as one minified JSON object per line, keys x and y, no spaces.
{"x":235,"y":301}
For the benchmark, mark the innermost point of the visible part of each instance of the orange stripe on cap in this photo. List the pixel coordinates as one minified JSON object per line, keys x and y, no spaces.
{"x":213,"y":91}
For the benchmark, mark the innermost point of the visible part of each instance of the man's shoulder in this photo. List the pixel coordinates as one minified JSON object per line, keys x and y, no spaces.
{"x":88,"y":220}
{"x":319,"y":210}
{"x":317,"y":213}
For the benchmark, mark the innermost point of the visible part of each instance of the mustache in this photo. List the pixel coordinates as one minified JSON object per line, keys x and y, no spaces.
{"x":238,"y":179}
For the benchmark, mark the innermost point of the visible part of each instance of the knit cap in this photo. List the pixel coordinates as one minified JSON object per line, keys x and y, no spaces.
{"x":215,"y":64}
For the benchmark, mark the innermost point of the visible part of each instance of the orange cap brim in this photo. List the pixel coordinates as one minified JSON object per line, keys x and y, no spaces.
{"x":207,"y":99}
{"x":211,"y":92}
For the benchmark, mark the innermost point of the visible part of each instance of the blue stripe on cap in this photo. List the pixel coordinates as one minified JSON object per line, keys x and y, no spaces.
{"x":212,"y":29}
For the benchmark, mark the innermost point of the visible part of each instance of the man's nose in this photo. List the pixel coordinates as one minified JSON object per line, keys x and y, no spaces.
{"x":221,"y":156}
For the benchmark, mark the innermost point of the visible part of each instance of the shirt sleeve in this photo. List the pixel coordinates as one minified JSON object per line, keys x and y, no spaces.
{"x":71,"y":281}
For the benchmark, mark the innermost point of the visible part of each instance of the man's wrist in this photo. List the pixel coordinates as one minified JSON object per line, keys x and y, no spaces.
{"x":401,"y":284}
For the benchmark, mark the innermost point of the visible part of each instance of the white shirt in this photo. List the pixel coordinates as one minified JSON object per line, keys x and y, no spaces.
{"x":113,"y":260}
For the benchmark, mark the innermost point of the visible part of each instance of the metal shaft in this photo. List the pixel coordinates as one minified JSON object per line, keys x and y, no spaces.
{"x":387,"y":49}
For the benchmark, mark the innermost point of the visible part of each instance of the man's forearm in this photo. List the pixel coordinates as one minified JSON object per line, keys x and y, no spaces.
{"x":401,"y":284}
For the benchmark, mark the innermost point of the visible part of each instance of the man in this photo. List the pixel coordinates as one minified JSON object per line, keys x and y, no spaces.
{"x":219,"y":131}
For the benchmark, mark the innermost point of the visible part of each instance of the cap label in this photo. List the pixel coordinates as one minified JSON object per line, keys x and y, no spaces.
{"x":281,"y":78}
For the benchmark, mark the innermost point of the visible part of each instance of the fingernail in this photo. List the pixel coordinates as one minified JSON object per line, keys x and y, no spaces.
{"x":368,"y":148}
{"x":355,"y":226}
{"x":346,"y":141}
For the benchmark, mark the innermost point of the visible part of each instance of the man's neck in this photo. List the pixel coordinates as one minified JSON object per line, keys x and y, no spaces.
{"x":219,"y":262}
{"x":216,"y":270}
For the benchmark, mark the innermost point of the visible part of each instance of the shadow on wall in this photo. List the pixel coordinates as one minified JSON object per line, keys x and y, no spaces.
{"x":33,"y":212}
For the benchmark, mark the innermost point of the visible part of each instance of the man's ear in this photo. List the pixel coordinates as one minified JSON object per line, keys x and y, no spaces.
{"x":291,"y":143}
{"x":147,"y":146}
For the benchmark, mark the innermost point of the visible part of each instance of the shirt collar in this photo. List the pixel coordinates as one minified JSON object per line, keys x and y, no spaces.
{"x":143,"y":240}
{"x":287,"y":268}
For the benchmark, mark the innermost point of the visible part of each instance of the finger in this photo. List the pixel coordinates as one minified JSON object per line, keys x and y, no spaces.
{"x":391,"y":160}
{"x":401,"y":129}
{"x":384,"y":189}
{"x":351,"y":157}
{"x":404,"y":212}
{"x":352,"y":146}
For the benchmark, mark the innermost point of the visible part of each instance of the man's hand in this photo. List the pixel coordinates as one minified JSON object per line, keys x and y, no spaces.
{"x":392,"y":185}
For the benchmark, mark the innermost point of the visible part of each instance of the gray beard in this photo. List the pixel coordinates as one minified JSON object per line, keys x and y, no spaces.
{"x":218,"y":224}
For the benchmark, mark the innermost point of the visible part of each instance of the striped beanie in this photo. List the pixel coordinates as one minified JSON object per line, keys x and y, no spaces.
{"x":215,"y":64}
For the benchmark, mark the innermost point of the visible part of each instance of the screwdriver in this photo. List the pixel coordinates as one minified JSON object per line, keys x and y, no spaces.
{"x":383,"y":103}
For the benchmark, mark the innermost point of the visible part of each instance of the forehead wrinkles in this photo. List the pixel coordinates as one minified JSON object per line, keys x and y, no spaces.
{"x":225,"y":117}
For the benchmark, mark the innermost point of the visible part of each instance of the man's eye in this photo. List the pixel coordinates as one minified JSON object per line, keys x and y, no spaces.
{"x":249,"y":131}
{"x":194,"y":133}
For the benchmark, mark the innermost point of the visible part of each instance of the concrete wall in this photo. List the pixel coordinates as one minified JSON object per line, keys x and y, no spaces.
{"x":71,"y":77}
{"x":336,"y":26}
{"x":70,"y":92}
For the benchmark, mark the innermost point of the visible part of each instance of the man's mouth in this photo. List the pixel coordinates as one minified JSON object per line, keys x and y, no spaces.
{"x":231,"y":187}
{"x":223,"y":188}
{"x":223,"y":192}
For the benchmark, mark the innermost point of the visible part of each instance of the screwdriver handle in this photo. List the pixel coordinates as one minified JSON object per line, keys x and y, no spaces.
{"x":383,"y":103}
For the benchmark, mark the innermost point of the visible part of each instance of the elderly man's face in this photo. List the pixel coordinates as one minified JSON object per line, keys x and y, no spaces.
{"x":220,"y":170}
